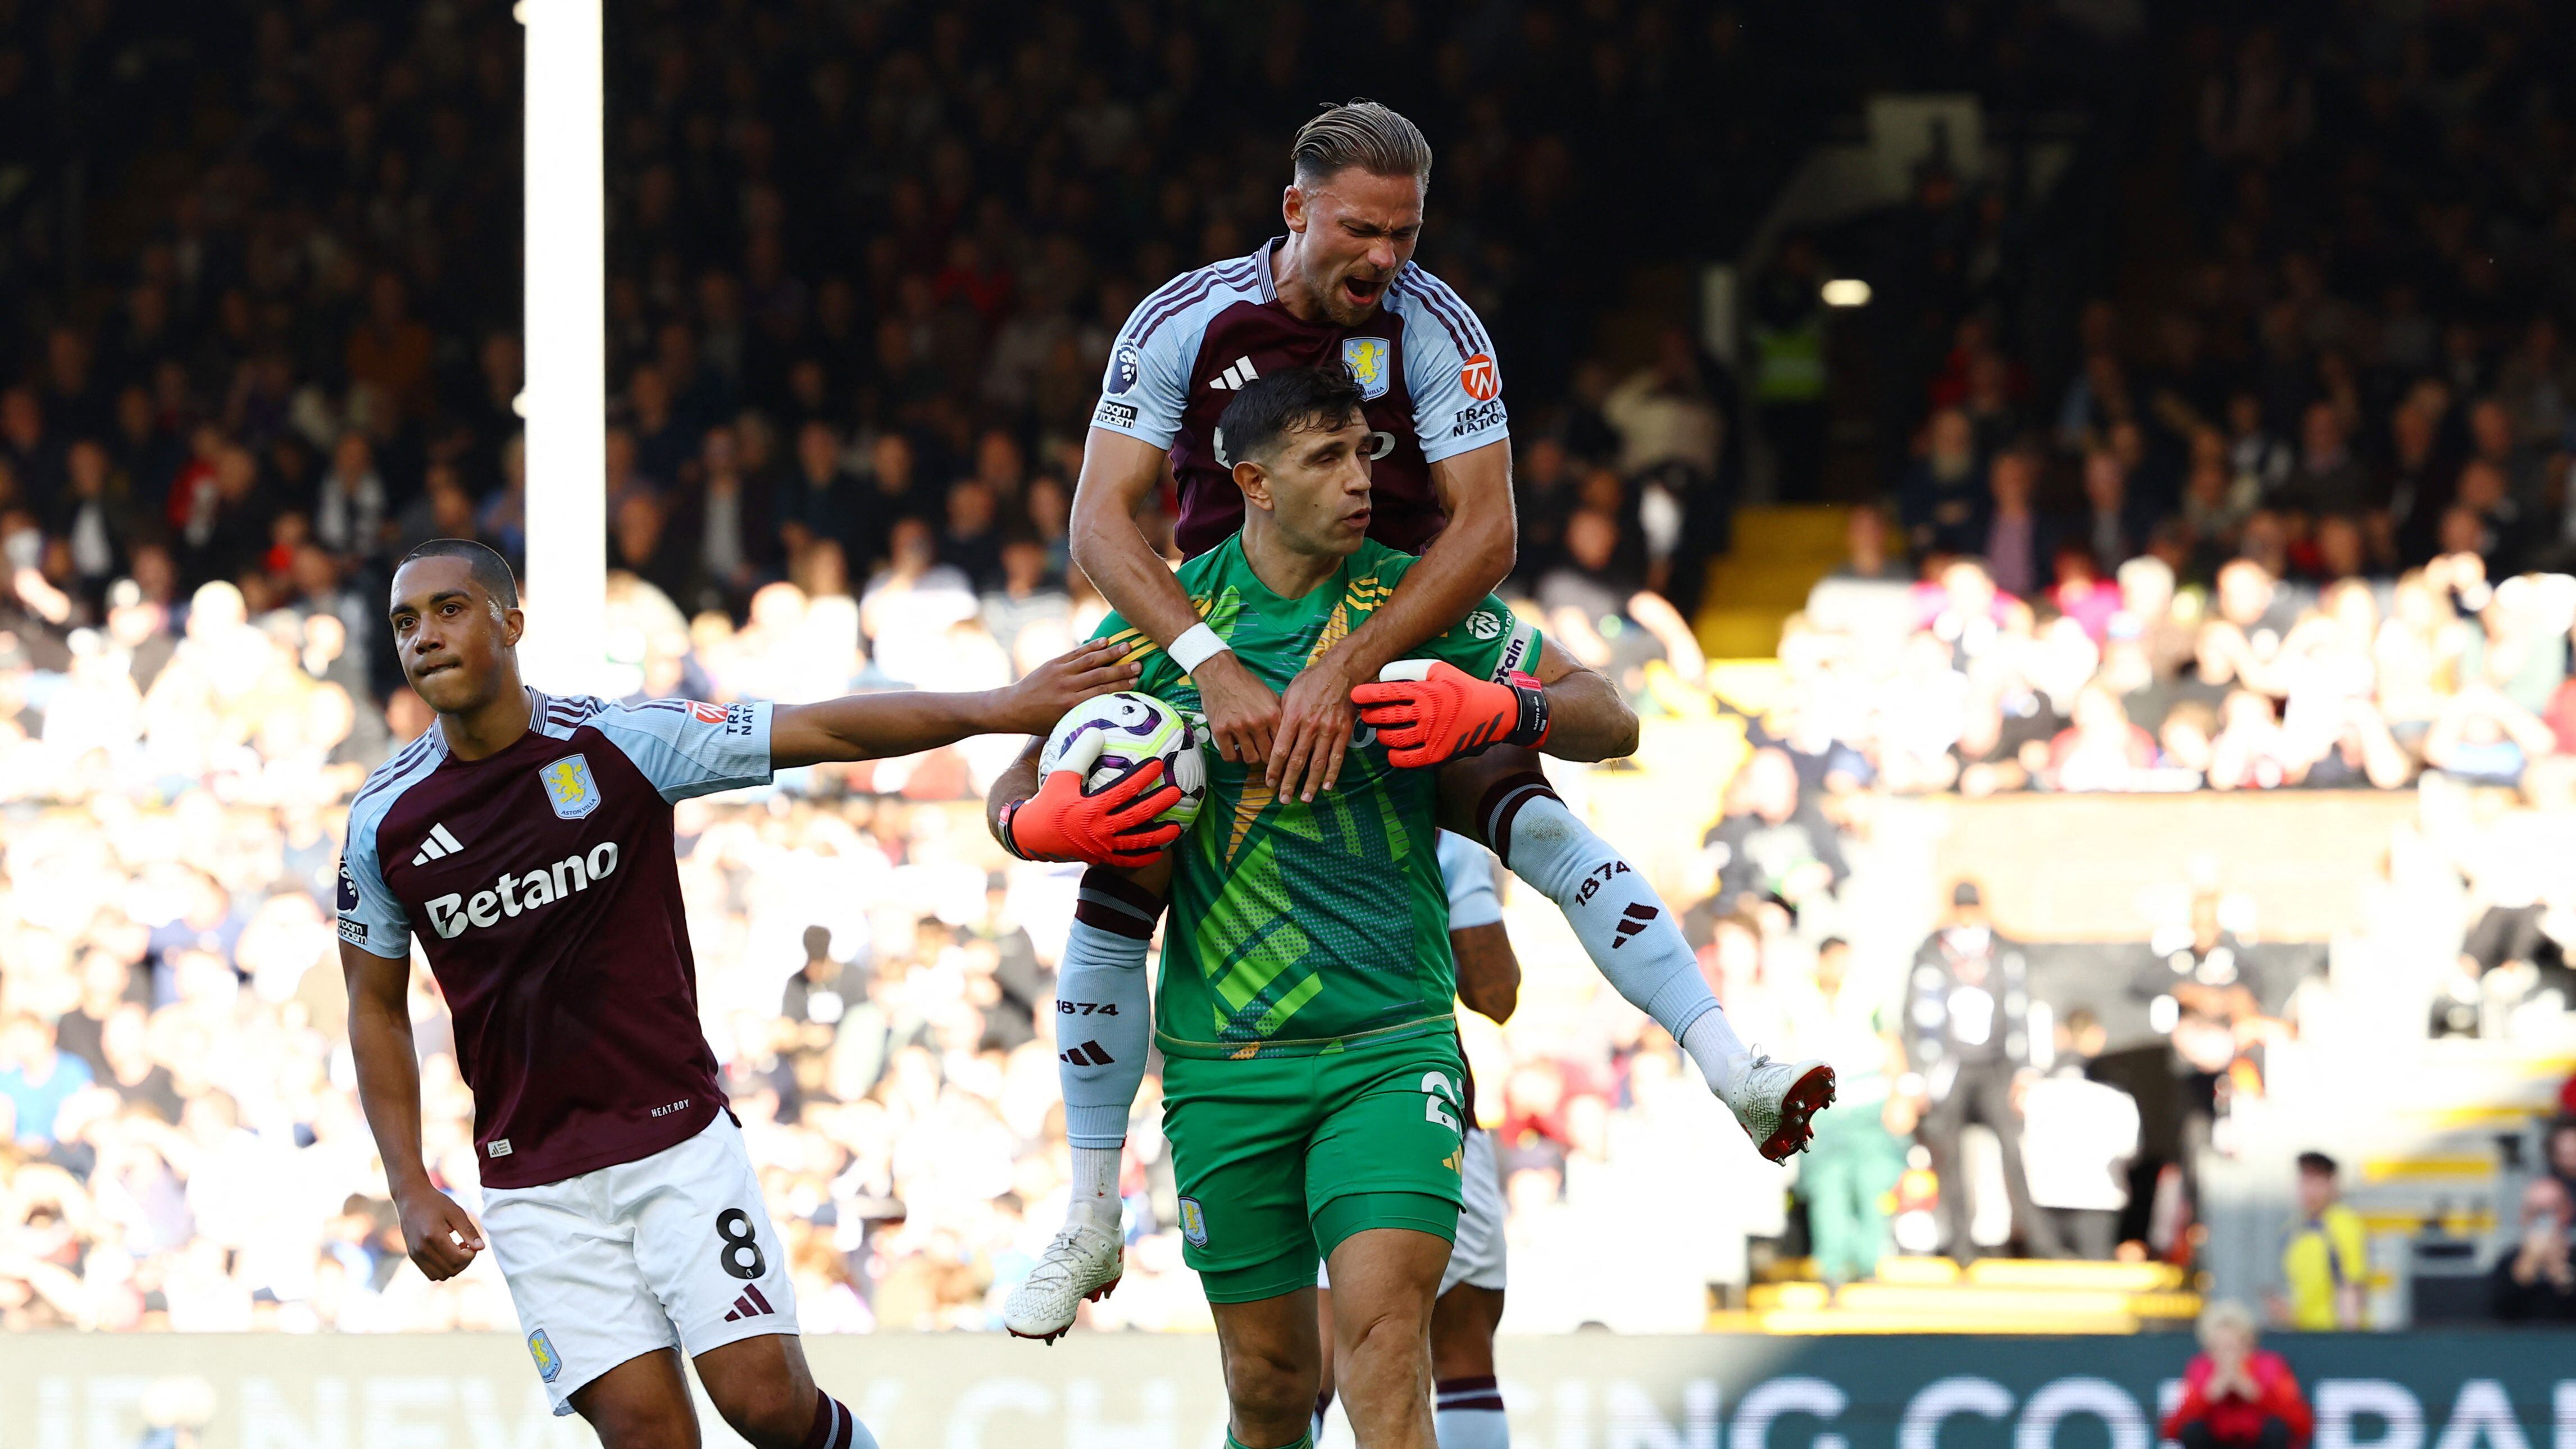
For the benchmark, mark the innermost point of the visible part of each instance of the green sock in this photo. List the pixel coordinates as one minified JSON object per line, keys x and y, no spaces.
{"x":1302,"y":1441}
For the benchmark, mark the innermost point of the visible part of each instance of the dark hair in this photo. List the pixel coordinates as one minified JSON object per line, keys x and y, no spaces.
{"x":1362,"y":134}
{"x":2318,"y":1163}
{"x":1291,"y":400}
{"x":1832,"y":943}
{"x":489,"y":570}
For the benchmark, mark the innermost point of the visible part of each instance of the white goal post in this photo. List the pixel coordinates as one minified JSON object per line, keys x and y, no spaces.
{"x":565,"y":400}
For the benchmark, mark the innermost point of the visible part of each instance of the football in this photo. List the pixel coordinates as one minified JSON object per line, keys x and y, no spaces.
{"x":1122,"y":731}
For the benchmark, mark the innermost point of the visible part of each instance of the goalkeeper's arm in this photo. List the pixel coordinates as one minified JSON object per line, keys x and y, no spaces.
{"x":1428,"y":713}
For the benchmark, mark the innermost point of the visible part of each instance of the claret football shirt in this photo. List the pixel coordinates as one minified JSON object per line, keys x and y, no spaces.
{"x":541,"y":885}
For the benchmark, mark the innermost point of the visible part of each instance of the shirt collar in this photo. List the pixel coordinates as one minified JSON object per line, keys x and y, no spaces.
{"x":1261,"y":267}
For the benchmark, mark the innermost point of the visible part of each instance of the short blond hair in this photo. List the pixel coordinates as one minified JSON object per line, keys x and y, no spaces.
{"x":2224,"y":1313}
{"x":1359,"y":133}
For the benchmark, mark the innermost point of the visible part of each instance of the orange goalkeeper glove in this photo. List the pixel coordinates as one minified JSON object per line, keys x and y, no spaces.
{"x":1428,"y":713}
{"x":1116,"y":825}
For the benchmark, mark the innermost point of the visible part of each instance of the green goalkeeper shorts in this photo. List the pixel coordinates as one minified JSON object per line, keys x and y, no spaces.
{"x":1278,"y":1159}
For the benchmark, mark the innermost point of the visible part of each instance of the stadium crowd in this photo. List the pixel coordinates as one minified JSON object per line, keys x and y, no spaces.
{"x":863,"y":262}
{"x":2301,"y":512}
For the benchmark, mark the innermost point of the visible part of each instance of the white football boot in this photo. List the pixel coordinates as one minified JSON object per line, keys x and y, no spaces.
{"x":1081,"y":1265}
{"x":1777,"y":1102}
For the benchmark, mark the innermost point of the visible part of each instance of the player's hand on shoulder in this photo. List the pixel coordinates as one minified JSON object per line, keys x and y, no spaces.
{"x":1032,"y":706}
{"x":1315,"y":729}
{"x":1427,"y":712}
{"x":1116,"y":825}
{"x":439,"y":1235}
{"x":1242,"y":711}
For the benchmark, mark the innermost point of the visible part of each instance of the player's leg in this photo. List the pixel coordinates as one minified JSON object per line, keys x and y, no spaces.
{"x":1324,"y":1333}
{"x":764,"y":1389}
{"x":1382,"y":1184}
{"x":703,"y":1239}
{"x":1502,"y":798}
{"x":1104,"y":1024}
{"x":589,"y":1314}
{"x":1273,"y":1360}
{"x":1382,"y":1332}
{"x":642,"y":1403}
{"x":1467,"y":1403}
{"x":1238,"y":1131}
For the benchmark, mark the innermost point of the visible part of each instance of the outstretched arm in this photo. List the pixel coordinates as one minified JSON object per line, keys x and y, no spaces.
{"x":1465,"y":563}
{"x":1118,"y":472}
{"x":876,"y":726}
{"x":437,"y":1233}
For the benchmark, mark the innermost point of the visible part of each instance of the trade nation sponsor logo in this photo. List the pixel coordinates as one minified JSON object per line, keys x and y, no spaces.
{"x":1482,"y":380}
{"x":1473,"y":420}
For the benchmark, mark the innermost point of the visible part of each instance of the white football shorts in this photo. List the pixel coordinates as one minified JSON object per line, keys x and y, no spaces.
{"x":1476,"y":1256}
{"x":674,"y":1250}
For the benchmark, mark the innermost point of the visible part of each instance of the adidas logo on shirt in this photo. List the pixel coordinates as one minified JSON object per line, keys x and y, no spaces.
{"x":438,"y":846}
{"x":749,"y":1305}
{"x":1234,"y":376}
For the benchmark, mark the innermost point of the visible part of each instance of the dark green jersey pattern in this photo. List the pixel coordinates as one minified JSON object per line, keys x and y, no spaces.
{"x":1301,"y":928}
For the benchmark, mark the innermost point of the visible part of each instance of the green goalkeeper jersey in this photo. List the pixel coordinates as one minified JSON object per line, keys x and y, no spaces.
{"x":1298,"y":928}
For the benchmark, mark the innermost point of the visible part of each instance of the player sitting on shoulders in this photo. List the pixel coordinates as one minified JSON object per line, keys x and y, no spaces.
{"x":524,"y":843}
{"x":1340,"y":290}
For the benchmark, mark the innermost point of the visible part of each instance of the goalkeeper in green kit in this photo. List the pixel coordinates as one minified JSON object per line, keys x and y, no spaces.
{"x":1314,"y":1090}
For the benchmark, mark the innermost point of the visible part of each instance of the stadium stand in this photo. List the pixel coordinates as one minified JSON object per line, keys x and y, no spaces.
{"x":2229,"y":467}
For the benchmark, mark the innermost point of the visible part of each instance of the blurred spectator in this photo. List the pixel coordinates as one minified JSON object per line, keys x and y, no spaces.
{"x":1606,"y":622}
{"x":1945,"y":500}
{"x":2235,"y":1394}
{"x":2203,"y":992}
{"x":2010,"y":544}
{"x":37,"y":1080}
{"x":1772,"y":843}
{"x":2078,"y":1138}
{"x":2327,"y":1257}
{"x":1867,"y":558}
{"x":2485,"y":738}
{"x":2535,"y":1279}
{"x":2559,"y":1151}
{"x":1857,"y":1155}
{"x":1968,"y":1049}
{"x":1663,"y":413}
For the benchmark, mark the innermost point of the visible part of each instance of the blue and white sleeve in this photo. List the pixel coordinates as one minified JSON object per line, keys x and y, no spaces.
{"x":1147,"y":383}
{"x":688,"y":748}
{"x":1449,"y":369}
{"x":1469,"y":870}
{"x":370,"y":918}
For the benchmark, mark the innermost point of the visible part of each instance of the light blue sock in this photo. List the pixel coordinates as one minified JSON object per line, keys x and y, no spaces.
{"x":1624,"y":926}
{"x":1103,"y":1022}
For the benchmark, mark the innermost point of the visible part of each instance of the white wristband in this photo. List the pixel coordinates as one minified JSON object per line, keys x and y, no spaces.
{"x":1196,"y":646}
